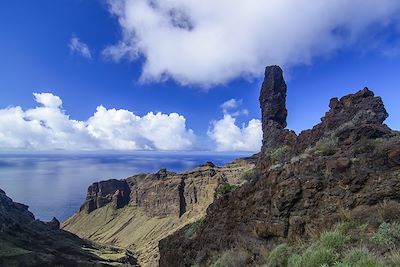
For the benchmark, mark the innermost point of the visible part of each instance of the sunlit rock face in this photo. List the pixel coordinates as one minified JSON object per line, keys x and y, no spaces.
{"x":349,"y":164}
{"x":137,"y":212}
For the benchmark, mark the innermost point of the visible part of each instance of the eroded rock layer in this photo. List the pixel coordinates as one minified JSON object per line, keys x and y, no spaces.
{"x":159,"y":204}
{"x":345,"y":166}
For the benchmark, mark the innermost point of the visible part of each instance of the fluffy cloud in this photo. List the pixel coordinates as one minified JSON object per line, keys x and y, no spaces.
{"x":228,"y":136}
{"x":76,"y":46}
{"x":231,"y":107}
{"x":210,"y":42}
{"x":230,"y":104}
{"x":48,"y":127}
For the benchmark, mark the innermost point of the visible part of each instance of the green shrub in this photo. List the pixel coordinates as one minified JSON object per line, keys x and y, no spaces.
{"x":279,"y":151}
{"x":360,"y":258}
{"x":388,"y":234}
{"x":294,"y":260}
{"x":314,"y":256}
{"x":224,"y":189}
{"x":279,"y":256}
{"x":393,"y":260}
{"x":333,"y":240}
{"x":327,"y":146}
{"x":341,"y":248}
{"x":249,"y":175}
{"x":345,"y":227}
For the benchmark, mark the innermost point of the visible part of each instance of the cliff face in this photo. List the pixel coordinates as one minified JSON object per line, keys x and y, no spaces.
{"x":101,"y":193}
{"x":25,"y":241}
{"x":346,"y":166}
{"x":158,"y":205}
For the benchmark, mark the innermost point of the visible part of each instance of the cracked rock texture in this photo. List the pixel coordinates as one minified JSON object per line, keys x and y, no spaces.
{"x":345,"y":166}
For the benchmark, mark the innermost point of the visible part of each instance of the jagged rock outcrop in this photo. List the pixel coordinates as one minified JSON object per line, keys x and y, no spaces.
{"x":54,"y":223}
{"x":346,"y":166}
{"x":160,"y":204}
{"x":354,"y":116}
{"x":25,"y":241}
{"x":274,"y":113}
{"x":104,"y":192}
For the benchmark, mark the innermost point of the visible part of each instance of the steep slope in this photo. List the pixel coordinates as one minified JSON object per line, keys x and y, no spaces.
{"x":25,"y":241}
{"x":139,"y":211}
{"x":345,"y":167}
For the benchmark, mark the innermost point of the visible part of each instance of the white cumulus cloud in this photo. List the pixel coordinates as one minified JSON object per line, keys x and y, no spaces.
{"x":82,"y":49}
{"x":231,"y":107}
{"x":48,"y":127}
{"x":230,"y":104}
{"x":210,"y":42}
{"x":230,"y":137}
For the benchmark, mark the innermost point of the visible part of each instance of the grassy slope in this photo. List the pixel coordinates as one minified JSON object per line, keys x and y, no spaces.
{"x":127,"y":226}
{"x":348,"y":245}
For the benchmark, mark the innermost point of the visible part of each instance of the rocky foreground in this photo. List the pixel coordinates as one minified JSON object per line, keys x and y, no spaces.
{"x":25,"y":241}
{"x":345,"y":169}
{"x":139,"y":211}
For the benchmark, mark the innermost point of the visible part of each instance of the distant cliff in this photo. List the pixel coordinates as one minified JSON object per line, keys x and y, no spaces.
{"x":346,"y":167}
{"x":25,"y":241}
{"x":139,"y":211}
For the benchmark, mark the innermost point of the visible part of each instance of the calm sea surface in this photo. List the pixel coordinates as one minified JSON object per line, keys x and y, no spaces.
{"x":56,"y":184}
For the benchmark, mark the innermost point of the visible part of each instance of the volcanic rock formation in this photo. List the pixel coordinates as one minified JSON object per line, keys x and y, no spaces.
{"x":25,"y":241}
{"x":159,"y":204}
{"x":347,"y":165}
{"x":101,"y":193}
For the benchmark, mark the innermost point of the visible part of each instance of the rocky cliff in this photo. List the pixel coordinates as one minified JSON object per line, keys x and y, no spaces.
{"x":139,"y":211}
{"x":25,"y":241}
{"x":344,"y":167}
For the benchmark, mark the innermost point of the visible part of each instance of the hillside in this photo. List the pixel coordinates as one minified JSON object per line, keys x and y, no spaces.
{"x":139,"y":211}
{"x":345,"y":169}
{"x":25,"y":241}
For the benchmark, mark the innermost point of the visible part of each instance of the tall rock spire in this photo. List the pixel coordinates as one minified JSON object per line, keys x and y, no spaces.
{"x":273,"y":97}
{"x":274,"y":112}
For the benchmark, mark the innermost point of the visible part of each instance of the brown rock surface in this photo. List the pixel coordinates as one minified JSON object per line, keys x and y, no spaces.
{"x":346,"y":165}
{"x":104,"y":192}
{"x":160,"y":204}
{"x":25,"y":241}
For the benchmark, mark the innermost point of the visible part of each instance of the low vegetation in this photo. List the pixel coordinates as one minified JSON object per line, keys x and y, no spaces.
{"x":327,"y":146}
{"x":347,"y":245}
{"x":367,"y":145}
{"x":279,"y":151}
{"x":191,"y":230}
{"x":249,"y":175}
{"x":232,"y":258}
{"x":388,"y":235}
{"x":224,"y":189}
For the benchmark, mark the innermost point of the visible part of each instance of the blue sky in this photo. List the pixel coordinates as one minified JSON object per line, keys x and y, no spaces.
{"x":36,"y":57}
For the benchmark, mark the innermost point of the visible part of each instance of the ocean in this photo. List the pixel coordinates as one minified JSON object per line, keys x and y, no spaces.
{"x":55,"y":184}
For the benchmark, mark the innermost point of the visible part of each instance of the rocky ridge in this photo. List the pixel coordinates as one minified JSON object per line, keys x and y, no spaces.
{"x":139,"y":211}
{"x":347,"y":166}
{"x":25,"y":241}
